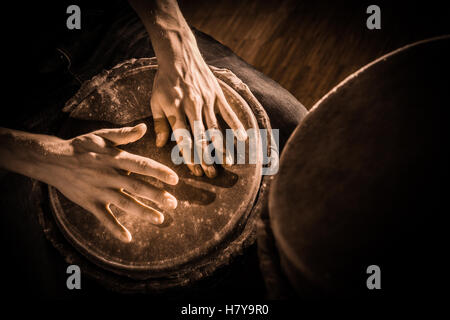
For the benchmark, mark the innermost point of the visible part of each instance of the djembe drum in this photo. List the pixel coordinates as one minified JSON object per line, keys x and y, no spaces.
{"x":214,"y":220}
{"x":361,"y":182}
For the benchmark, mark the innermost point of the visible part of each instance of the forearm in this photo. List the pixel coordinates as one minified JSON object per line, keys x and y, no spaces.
{"x":168,"y":30}
{"x":26,"y":153}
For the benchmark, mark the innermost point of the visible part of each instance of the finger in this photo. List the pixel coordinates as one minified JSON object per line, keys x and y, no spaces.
{"x":230,"y":117}
{"x":216,"y":136}
{"x":123,"y":135}
{"x":135,"y":207}
{"x":201,"y":146}
{"x":145,"y":166}
{"x":210,"y":117}
{"x":107,"y":218}
{"x":147,"y":191}
{"x":161,"y":126}
{"x":91,"y":143}
{"x":177,"y":121}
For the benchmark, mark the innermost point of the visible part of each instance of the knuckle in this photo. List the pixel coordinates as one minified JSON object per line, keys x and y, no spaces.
{"x":88,"y":156}
{"x":142,"y":164}
{"x":136,"y":186}
{"x":79,"y":139}
{"x":123,"y":202}
{"x":160,"y":197}
{"x":191,"y":94}
{"x":195,"y":98}
{"x":166,"y":173}
{"x":177,"y":92}
{"x":122,"y":130}
{"x":79,"y":142}
{"x":213,"y":126}
{"x":91,"y":138}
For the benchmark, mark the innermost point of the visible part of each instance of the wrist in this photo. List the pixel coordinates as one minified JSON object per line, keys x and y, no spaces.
{"x":173,"y":44}
{"x":28,"y":154}
{"x":178,"y":51}
{"x":171,"y":37}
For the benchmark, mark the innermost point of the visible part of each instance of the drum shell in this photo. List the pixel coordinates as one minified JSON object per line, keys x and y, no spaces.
{"x":387,"y":122}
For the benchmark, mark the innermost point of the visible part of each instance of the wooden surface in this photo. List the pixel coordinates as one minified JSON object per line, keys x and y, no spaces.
{"x":310,"y":46}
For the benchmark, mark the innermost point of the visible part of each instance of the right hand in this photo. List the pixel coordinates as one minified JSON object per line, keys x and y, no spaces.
{"x":88,"y":170}
{"x":186,"y":94}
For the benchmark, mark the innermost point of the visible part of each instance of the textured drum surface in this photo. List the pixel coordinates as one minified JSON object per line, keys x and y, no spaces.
{"x":358,"y":178}
{"x":208,"y":209}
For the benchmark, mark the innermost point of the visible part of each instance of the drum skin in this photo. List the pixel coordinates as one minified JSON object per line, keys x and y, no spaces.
{"x":214,"y":219}
{"x":360,"y":178}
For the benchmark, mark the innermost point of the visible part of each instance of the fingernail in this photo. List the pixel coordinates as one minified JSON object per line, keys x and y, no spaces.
{"x":126,"y":236}
{"x":211,"y":172}
{"x":139,"y":127}
{"x":241,"y":135}
{"x":170,"y":201}
{"x":172,"y":179}
{"x":198,"y":171}
{"x":159,"y":140}
{"x":158,"y":219}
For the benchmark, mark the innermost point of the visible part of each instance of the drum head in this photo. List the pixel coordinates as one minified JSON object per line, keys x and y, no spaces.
{"x":209,"y":210}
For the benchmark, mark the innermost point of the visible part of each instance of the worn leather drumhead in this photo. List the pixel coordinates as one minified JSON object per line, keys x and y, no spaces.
{"x":209,"y":210}
{"x":359,"y":178}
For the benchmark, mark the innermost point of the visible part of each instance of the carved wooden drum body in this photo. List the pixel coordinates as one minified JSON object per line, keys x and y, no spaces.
{"x":214,"y":219}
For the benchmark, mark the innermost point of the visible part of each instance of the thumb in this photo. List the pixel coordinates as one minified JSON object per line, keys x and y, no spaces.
{"x":123,"y":135}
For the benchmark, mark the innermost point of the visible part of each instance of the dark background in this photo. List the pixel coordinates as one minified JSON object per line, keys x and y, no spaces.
{"x":310,"y":46}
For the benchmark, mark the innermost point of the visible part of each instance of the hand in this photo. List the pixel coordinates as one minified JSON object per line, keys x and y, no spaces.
{"x":90,"y":171}
{"x":184,"y":85}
